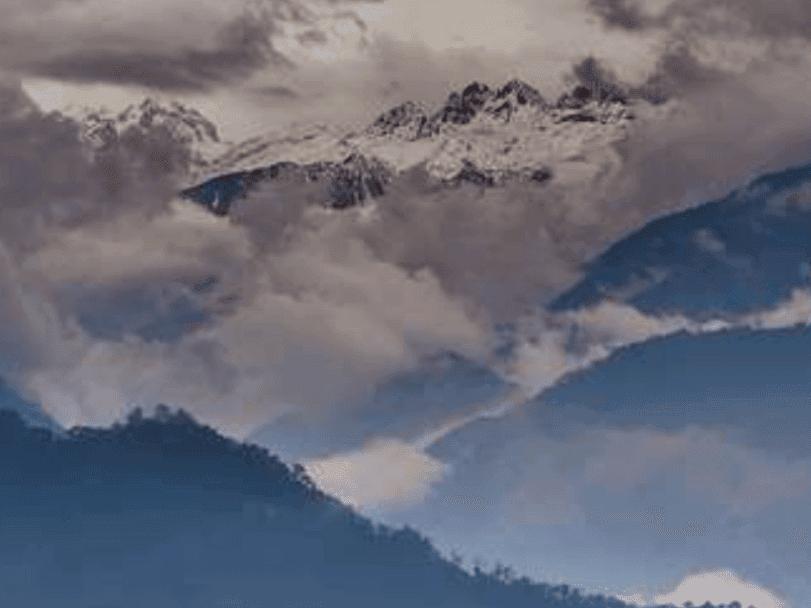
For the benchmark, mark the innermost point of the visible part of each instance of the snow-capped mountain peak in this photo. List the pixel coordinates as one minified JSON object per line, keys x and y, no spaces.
{"x":481,"y":135}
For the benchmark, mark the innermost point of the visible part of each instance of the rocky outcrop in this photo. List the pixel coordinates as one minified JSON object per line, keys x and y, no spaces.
{"x":500,"y":104}
{"x":346,"y":184}
{"x":490,"y":178}
{"x":595,"y":104}
{"x":412,"y":121}
{"x":409,"y":121}
{"x":460,"y":109}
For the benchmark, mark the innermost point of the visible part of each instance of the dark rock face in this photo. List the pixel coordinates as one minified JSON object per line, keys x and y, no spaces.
{"x":485,"y":178}
{"x":541,"y":175}
{"x":513,"y":95}
{"x":460,"y":109}
{"x":347,"y":184}
{"x":471,"y":175}
{"x":409,"y":119}
{"x":601,"y":93}
{"x":578,"y":118}
{"x":579,"y":97}
{"x":524,"y":93}
{"x":354,"y":180}
{"x":414,"y":121}
{"x":217,"y":194}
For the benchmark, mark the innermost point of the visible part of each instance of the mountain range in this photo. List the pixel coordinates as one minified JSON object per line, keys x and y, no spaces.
{"x":483,"y":136}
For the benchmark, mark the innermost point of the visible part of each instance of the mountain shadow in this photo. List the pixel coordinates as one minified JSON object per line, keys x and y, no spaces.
{"x":163,"y":512}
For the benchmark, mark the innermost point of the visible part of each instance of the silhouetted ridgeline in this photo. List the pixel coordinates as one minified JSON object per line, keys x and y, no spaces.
{"x":164,"y":512}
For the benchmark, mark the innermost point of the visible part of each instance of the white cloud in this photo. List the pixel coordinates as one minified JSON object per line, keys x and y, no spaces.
{"x":388,"y":474}
{"x":185,"y":238}
{"x":721,"y":586}
{"x":542,"y":357}
{"x":311,"y":327}
{"x":543,"y":360}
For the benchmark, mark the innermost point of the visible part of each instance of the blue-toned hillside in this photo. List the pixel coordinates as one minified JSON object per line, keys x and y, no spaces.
{"x":164,"y":512}
{"x":739,"y":253}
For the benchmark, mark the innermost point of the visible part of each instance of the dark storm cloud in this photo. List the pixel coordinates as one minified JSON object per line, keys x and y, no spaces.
{"x":56,"y":187}
{"x":776,"y":19}
{"x":277,"y":92}
{"x":181,"y":45}
{"x":51,"y":179}
{"x":677,"y":72}
{"x":244,"y":47}
{"x":619,"y":13}
{"x":484,"y":245}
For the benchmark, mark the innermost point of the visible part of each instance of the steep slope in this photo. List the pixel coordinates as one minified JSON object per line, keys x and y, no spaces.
{"x":709,"y":261}
{"x":487,"y":137}
{"x":30,"y":413}
{"x":164,"y":512}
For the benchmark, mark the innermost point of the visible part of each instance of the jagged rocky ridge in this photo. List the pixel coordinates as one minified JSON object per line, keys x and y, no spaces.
{"x":414,"y":121}
{"x":481,"y":136}
{"x":165,"y":512}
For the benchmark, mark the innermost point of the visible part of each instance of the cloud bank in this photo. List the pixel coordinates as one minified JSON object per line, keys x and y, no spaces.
{"x":547,"y":357}
{"x":474,"y":259}
{"x":144,"y":44}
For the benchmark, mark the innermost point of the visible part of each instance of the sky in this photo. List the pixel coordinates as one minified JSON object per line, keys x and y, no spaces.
{"x":574,"y":409}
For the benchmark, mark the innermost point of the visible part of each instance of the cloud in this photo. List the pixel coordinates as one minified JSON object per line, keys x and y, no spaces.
{"x":620,"y":13}
{"x":186,"y":48}
{"x":55,"y":182}
{"x":311,"y":324}
{"x":750,"y":18}
{"x":671,"y":486}
{"x":244,"y":49}
{"x":545,"y":353}
{"x":277,"y":92}
{"x":388,"y":473}
{"x":546,"y":357}
{"x":53,"y":185}
{"x":721,"y":586}
{"x":280,"y":308}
